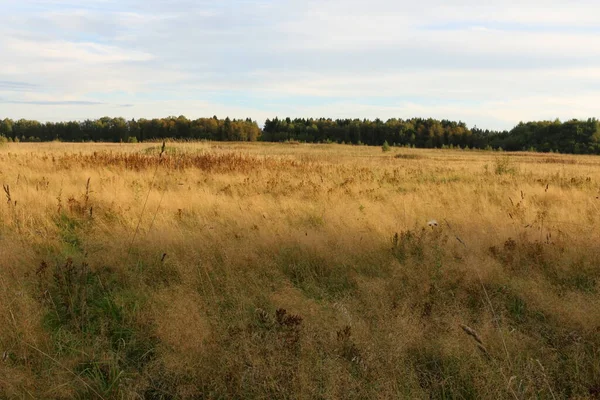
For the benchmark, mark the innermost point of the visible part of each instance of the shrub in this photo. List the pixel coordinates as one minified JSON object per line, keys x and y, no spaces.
{"x":503,"y":165}
{"x":385,"y":147}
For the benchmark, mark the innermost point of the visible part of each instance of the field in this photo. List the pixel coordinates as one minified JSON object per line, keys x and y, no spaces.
{"x":214,"y":271}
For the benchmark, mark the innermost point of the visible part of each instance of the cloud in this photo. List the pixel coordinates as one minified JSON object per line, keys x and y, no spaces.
{"x":491,"y":64}
{"x":13,"y":86}
{"x":82,"y":53}
{"x":53,"y":103}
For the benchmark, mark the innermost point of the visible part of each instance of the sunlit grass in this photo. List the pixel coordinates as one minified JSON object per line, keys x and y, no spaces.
{"x":297,"y":271}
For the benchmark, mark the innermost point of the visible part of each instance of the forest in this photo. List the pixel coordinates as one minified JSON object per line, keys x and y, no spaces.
{"x":120,"y":130}
{"x":573,"y":136}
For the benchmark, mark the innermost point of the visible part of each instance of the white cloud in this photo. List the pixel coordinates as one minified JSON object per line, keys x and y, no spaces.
{"x":82,"y":53}
{"x":491,"y":64}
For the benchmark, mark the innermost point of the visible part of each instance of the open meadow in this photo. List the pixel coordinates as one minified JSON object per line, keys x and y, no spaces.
{"x":309,"y":271}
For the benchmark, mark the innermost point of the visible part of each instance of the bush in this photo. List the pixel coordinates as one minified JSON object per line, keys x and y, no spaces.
{"x":385,"y":147}
{"x":503,"y":165}
{"x":132,"y":139}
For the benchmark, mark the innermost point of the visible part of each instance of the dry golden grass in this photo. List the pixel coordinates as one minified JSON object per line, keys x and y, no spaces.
{"x":297,"y":271}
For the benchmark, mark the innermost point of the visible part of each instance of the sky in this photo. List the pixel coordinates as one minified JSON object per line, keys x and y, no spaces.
{"x":488,"y":63}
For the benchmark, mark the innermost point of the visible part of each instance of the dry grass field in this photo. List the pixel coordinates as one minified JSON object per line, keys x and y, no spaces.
{"x":217,"y":271}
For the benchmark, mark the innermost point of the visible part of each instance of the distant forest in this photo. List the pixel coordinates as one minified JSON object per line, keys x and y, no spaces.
{"x":574,"y":136}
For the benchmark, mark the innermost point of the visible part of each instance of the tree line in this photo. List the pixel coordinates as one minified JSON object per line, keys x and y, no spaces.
{"x":120,"y":130}
{"x":573,"y":136}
